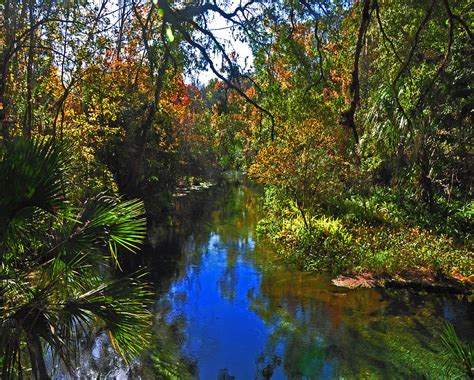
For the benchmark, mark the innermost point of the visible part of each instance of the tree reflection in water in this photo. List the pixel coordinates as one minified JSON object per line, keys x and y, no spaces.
{"x":247,"y":315}
{"x":228,"y":308}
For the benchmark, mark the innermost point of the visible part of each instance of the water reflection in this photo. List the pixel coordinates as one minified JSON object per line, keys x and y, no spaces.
{"x":241,"y":314}
{"x":228,"y":308}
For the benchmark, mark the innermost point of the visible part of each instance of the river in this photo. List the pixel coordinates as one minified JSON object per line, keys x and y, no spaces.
{"x":227,"y":307}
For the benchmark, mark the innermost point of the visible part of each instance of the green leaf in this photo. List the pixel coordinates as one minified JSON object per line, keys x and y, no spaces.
{"x":169,"y":34}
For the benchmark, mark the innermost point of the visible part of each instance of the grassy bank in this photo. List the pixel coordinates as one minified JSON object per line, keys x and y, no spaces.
{"x":374,"y":235}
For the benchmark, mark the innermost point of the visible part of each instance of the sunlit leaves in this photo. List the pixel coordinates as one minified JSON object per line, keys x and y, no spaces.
{"x":169,"y":34}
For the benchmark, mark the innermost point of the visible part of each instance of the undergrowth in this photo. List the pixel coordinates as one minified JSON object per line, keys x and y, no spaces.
{"x":376,"y":234}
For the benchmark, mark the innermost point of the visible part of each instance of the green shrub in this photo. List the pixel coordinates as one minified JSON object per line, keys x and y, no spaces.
{"x":397,"y":249}
{"x":375,"y":233}
{"x":315,"y":244}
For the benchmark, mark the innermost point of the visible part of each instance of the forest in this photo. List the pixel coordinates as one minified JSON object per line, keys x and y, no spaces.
{"x":352,"y":118}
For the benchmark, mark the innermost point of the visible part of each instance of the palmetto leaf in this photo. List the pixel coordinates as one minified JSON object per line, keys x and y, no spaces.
{"x":458,"y":354}
{"x":53,"y":256}
{"x":122,"y":308}
{"x":33,"y":176}
{"x":103,"y":222}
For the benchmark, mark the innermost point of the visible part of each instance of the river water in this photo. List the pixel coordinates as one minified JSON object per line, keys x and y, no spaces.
{"x":227,"y":308}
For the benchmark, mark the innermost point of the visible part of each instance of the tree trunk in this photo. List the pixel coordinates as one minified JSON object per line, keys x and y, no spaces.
{"x":38,"y":365}
{"x":348,"y":115}
{"x":425,"y":178}
{"x":4,"y":70}
{"x":28,"y":121}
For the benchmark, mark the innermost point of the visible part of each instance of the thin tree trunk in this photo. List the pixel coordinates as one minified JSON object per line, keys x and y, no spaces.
{"x":38,"y":364}
{"x":133,"y":177}
{"x":425,"y":179}
{"x":348,"y":116}
{"x":4,"y":68}
{"x":28,"y":123}
{"x":123,"y":6}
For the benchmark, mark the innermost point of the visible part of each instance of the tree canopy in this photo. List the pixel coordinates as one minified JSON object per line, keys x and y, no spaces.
{"x":356,"y":117}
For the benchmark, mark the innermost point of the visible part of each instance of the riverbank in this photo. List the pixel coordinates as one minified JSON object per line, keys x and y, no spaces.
{"x":372,"y":249}
{"x":268,"y":318}
{"x":227,"y":304}
{"x":415,"y":280}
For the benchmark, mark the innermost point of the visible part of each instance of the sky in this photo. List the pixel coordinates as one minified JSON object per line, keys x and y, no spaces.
{"x":220,"y":28}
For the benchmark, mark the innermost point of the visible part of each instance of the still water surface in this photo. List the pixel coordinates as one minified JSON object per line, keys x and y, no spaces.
{"x":228,"y":308}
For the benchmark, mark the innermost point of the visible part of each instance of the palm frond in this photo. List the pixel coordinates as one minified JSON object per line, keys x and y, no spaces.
{"x":458,"y":354}
{"x":122,"y":307}
{"x":33,"y":175}
{"x":103,"y":223}
{"x":52,"y":256}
